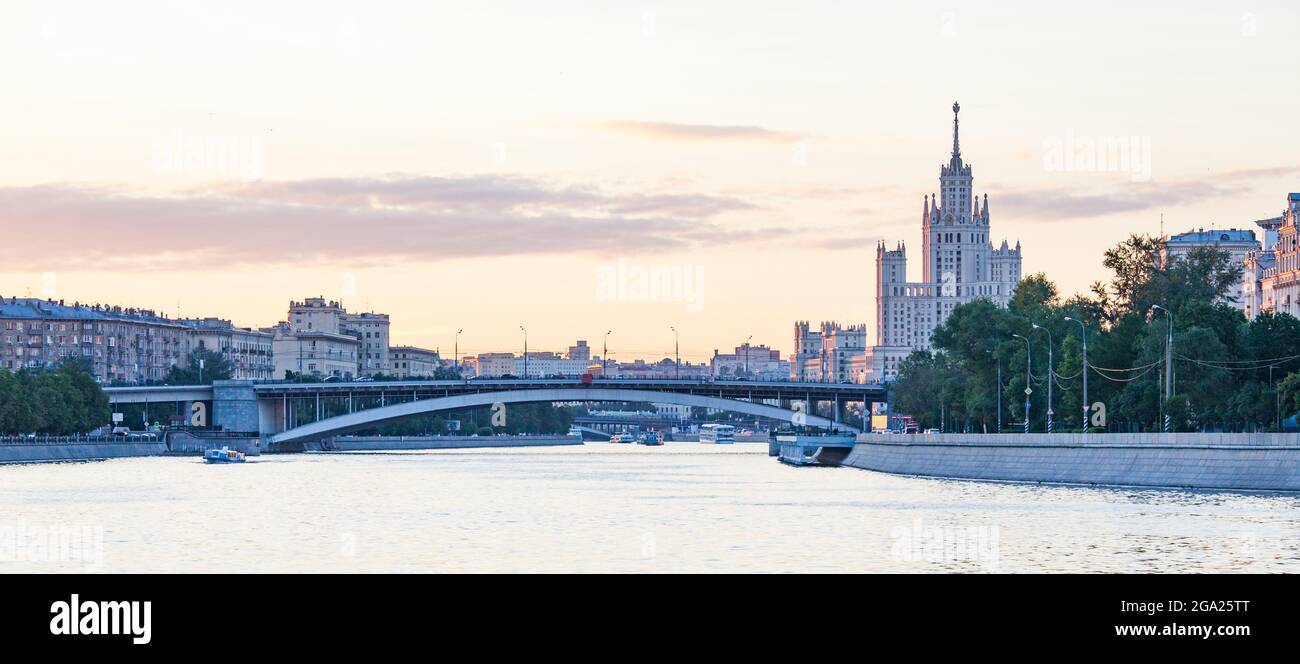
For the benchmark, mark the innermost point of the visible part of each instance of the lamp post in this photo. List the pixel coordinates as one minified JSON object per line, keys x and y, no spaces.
{"x":1083,"y":330}
{"x":604,"y":355}
{"x":1028,"y":390}
{"x":677,"y":352}
{"x":747,"y":356}
{"x":1050,"y":375}
{"x":525,"y":330}
{"x":1169,"y":361}
{"x":455,"y":358}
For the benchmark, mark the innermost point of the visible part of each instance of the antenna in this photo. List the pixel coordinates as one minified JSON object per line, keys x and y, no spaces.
{"x":1162,"y":224}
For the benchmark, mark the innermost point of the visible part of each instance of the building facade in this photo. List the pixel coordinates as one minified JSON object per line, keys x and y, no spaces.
{"x":250,"y":352}
{"x":959,"y":265}
{"x":411,"y":362}
{"x":317,"y":354}
{"x":1239,"y":244}
{"x":755,"y":362}
{"x":315,"y":314}
{"x":828,"y":352}
{"x":1271,"y":275}
{"x":118,"y":345}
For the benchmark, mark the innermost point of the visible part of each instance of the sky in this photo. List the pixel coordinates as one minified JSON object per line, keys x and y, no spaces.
{"x":490,"y":165}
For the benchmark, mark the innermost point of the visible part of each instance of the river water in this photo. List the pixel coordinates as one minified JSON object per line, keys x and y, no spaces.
{"x":608,"y":508}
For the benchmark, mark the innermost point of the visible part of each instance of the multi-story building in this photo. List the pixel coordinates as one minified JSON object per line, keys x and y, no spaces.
{"x":1238,"y":243}
{"x":314,"y":353}
{"x":827,"y":353}
{"x":249,"y":351}
{"x":315,"y":314}
{"x":540,"y":364}
{"x":1271,"y":275}
{"x":412,"y":362}
{"x":118,"y":345}
{"x":959,"y":265}
{"x":372,"y":330}
{"x":580,"y":351}
{"x":757,"y":362}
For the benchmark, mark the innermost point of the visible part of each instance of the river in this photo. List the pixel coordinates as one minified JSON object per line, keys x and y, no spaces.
{"x":608,"y":508}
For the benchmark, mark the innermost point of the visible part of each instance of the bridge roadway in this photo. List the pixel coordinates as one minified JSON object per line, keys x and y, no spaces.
{"x":269,"y":407}
{"x":425,"y":389}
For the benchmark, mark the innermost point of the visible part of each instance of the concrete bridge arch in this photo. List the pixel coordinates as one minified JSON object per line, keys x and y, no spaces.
{"x":363,"y":419}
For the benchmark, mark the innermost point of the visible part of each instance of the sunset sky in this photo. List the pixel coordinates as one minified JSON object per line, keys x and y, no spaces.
{"x":480,"y":165}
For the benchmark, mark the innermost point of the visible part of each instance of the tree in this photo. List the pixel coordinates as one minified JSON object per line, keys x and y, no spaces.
{"x":1290,"y":395}
{"x":215,"y":366}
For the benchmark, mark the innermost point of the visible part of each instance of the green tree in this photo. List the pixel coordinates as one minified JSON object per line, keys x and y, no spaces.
{"x":215,"y":366}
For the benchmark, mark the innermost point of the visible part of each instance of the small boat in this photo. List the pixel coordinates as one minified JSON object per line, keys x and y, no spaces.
{"x":650,"y":438}
{"x":224,"y":455}
{"x":622,"y":438}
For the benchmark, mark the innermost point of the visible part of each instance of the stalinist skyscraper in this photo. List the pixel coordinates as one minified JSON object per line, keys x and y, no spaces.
{"x":959,"y":264}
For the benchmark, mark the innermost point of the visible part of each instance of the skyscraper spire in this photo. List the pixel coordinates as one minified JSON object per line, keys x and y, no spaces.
{"x":956,"y":147}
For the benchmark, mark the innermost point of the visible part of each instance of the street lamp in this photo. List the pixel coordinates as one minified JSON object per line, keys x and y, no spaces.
{"x":1169,"y":361}
{"x":747,"y":356}
{"x":1028,"y":390}
{"x":1050,"y":375}
{"x":677,"y":352}
{"x":1083,"y":330}
{"x":604,"y":355}
{"x":456,"y":353}
{"x":525,"y":330}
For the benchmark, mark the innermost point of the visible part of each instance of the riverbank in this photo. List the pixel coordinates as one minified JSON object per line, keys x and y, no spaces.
{"x":1250,"y":462}
{"x":86,"y":449}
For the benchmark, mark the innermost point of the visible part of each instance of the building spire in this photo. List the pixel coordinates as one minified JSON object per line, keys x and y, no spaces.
{"x":956,"y":147}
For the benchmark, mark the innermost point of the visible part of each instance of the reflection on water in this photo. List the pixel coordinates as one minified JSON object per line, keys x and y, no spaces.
{"x":600,"y":507}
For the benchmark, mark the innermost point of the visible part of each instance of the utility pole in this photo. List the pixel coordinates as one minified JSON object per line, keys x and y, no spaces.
{"x":1169,"y":362}
{"x":1084,"y":331}
{"x":1051,"y":376}
{"x":1028,"y":390}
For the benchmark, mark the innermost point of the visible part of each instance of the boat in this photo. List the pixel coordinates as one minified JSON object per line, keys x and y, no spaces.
{"x":650,"y":438}
{"x":717,"y":434}
{"x":224,"y":455}
{"x":622,"y":438}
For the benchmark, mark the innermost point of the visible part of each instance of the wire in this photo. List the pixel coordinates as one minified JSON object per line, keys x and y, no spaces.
{"x":1129,"y":379}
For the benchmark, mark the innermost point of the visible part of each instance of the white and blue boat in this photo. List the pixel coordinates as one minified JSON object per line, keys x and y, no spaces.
{"x":224,"y":455}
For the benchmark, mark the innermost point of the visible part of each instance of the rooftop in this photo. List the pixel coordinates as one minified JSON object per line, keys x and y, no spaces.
{"x":30,"y":307}
{"x":1203,"y":236}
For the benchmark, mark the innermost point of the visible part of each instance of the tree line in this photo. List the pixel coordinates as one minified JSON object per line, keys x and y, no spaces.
{"x":1229,"y":374}
{"x":60,"y":401}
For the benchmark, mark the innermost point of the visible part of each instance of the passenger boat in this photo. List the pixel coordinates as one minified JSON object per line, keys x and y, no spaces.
{"x":224,"y":455}
{"x":717,"y":434}
{"x":622,"y":438}
{"x":650,"y":438}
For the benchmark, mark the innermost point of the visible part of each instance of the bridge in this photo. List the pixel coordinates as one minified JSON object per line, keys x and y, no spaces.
{"x":284,"y":412}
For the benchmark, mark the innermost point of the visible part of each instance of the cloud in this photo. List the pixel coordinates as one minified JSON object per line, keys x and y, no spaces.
{"x":1061,"y":203}
{"x":361,"y":220}
{"x":697,"y":132}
